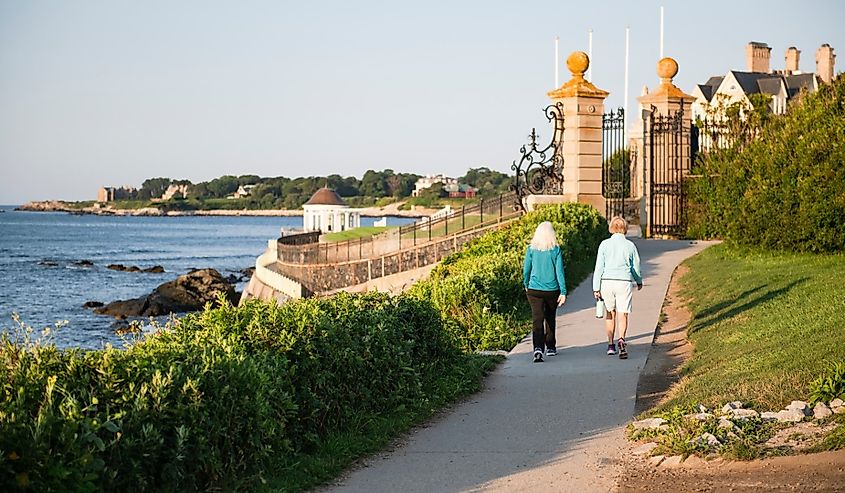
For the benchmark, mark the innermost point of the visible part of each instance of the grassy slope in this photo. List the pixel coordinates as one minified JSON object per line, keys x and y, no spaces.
{"x":355,"y":233}
{"x":764,"y":325}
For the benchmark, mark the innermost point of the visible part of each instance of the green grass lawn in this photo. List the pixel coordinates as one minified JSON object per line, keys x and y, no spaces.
{"x":455,"y":224}
{"x":355,"y":233}
{"x":764,"y":326}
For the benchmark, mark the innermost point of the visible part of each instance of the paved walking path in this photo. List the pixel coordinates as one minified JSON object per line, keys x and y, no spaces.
{"x":555,"y":426}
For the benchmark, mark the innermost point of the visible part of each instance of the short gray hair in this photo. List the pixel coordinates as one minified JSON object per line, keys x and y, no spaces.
{"x":618,"y":225}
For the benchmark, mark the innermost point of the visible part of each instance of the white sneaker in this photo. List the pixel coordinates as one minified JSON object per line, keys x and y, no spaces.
{"x":538,"y":355}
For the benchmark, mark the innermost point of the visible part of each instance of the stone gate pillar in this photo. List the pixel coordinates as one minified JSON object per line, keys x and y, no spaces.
{"x":668,"y":152}
{"x":583,"y":107}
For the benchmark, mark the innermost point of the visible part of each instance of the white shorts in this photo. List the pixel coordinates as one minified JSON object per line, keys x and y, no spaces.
{"x":617,"y":295}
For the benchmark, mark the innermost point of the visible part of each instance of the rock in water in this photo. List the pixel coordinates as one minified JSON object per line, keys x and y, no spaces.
{"x":189,"y":292}
{"x":92,"y":304}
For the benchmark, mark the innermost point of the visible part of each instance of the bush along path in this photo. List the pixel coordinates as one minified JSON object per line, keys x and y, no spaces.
{"x":767,"y":372}
{"x":264,"y":396}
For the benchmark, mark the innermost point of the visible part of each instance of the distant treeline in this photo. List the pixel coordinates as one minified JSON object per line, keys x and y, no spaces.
{"x":290,"y":193}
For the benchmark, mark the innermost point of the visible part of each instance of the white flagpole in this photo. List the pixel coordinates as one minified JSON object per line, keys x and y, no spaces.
{"x":625,"y":116}
{"x":661,"y":32}
{"x":590,"y":55}
{"x":557,"y":61}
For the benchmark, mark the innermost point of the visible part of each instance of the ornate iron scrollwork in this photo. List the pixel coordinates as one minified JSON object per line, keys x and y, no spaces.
{"x":540,"y":171}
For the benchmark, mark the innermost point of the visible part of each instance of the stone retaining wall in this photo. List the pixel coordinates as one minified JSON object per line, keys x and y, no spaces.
{"x":322,"y":278}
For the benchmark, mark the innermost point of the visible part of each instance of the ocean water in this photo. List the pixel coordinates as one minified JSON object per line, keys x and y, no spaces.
{"x":43,"y":284}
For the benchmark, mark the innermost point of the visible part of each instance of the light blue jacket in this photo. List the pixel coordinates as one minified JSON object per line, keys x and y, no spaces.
{"x":543,"y":270}
{"x":618,"y":259}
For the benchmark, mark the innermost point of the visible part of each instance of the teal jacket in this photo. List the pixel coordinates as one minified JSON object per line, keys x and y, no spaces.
{"x":543,"y":270}
{"x":617,"y":259}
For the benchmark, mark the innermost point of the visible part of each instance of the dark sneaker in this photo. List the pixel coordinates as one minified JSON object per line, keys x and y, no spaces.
{"x":551,"y":352}
{"x":538,"y":355}
{"x":611,"y":349}
{"x":623,"y":349}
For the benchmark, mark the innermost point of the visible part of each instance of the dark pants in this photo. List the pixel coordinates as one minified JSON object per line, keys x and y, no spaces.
{"x":543,"y":307}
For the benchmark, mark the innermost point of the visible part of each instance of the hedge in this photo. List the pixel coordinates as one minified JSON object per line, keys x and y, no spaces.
{"x":479,"y":289}
{"x":785,"y":189}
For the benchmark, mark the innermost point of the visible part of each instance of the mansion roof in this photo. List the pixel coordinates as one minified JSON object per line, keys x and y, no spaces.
{"x":760,"y":83}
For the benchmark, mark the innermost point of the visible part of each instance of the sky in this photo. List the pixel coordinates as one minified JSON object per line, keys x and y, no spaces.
{"x":113,"y":92}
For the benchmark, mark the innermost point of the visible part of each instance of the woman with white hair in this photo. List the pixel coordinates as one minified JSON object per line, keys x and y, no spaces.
{"x":617,"y":269}
{"x":545,"y":286}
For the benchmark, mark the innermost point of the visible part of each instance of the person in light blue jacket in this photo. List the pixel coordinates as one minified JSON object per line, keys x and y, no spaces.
{"x":545,"y":287}
{"x":617,"y":270}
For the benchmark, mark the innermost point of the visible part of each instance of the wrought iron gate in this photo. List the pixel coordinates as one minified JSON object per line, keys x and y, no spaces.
{"x":669,"y":157}
{"x":616,"y":164}
{"x":540,"y":171}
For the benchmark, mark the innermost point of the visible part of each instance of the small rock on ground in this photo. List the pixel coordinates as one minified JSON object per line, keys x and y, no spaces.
{"x":730,"y":406}
{"x":744,"y":414}
{"x":700,"y":416}
{"x":671,"y":462}
{"x":645,"y":448}
{"x":800,"y":406}
{"x":790,"y":416}
{"x":708,"y":439}
{"x":821,"y":411}
{"x":649,"y":424}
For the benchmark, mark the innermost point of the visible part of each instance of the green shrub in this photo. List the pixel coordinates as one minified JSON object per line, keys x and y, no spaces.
{"x":217,"y":400}
{"x":785,"y":189}
{"x":829,"y":385}
{"x":479,"y":289}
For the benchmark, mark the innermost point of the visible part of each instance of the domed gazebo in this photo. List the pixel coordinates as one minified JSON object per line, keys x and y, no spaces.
{"x":326,"y":211}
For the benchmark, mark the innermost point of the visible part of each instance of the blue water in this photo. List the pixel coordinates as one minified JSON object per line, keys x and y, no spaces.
{"x":41,"y":283}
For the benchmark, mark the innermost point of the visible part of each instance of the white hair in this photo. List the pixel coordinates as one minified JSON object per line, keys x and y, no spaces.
{"x":544,"y":237}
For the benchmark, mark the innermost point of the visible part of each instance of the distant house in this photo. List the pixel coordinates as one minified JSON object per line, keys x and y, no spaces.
{"x":326,"y":211}
{"x":110,"y":194}
{"x":461,"y":191}
{"x":242,"y":191}
{"x":780,"y":86}
{"x":427,"y":181}
{"x":174,"y":190}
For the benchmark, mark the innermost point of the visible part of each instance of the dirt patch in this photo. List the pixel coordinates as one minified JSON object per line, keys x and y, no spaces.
{"x":815,"y":472}
{"x":669,"y":348}
{"x":799,"y":437}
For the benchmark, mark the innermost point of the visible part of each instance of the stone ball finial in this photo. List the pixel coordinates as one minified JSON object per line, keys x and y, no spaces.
{"x":667,"y":68}
{"x":578,"y":63}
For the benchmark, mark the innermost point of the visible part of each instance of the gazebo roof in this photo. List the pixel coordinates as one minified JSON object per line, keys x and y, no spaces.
{"x":326,"y":196}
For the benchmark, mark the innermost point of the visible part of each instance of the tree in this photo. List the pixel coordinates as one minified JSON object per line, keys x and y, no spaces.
{"x":373,"y":184}
{"x":249,"y":180}
{"x":487,"y":181}
{"x":223,"y":186}
{"x":153,"y":188}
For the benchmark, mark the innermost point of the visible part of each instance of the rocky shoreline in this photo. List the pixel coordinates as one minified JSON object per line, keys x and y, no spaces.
{"x":186,"y":293}
{"x":61,"y":206}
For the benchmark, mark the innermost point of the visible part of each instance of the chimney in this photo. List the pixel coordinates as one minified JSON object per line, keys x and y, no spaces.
{"x":792,"y":56}
{"x":757,"y":57}
{"x":824,"y":63}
